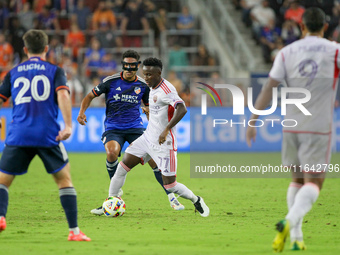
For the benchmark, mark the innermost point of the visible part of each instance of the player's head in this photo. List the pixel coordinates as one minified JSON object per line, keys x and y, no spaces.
{"x":152,"y":70}
{"x":36,"y":42}
{"x":130,"y":64}
{"x":314,"y":21}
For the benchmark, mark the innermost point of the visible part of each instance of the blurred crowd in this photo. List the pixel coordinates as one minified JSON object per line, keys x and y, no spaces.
{"x":87,"y":37}
{"x":276,"y":23}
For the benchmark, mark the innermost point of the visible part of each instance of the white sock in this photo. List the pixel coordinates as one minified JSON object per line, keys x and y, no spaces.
{"x":117,"y":181}
{"x":295,"y":232}
{"x":75,"y":230}
{"x":171,"y":196}
{"x":303,"y":202}
{"x":181,"y":190}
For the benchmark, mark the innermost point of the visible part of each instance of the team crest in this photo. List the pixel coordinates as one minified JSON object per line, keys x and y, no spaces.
{"x":137,"y":90}
{"x":155,"y":98}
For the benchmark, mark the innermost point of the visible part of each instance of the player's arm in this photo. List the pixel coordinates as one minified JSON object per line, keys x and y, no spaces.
{"x":180,"y":111}
{"x":5,"y":90}
{"x":261,"y":103}
{"x":64,"y":102}
{"x":146,"y":110}
{"x":145,"y":100}
{"x":1,"y":102}
{"x":85,"y":103}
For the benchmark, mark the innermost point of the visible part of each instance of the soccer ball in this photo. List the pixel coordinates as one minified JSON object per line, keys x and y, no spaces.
{"x":114,"y":207}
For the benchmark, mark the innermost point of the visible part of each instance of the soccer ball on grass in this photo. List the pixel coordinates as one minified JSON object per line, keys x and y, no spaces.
{"x":114,"y":207}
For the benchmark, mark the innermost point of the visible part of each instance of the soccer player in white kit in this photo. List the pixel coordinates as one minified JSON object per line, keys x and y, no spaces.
{"x":311,"y":63}
{"x":158,"y":142}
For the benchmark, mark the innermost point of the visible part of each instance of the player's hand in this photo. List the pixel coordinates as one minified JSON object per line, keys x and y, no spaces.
{"x":146,"y":111}
{"x":64,"y":134}
{"x":163,"y":136}
{"x":250,"y":135}
{"x":82,"y":119}
{"x":0,"y":124}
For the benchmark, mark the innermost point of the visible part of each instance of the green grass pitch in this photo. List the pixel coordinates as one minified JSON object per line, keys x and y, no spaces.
{"x":243,"y":213}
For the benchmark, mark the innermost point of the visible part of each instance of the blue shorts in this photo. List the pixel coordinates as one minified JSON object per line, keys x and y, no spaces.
{"x":122,"y":136}
{"x":15,"y":160}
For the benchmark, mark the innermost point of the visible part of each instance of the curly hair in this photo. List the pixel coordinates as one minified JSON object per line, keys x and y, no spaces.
{"x":153,"y":62}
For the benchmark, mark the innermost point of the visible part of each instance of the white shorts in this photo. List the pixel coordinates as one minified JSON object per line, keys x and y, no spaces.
{"x":165,"y":159}
{"x":309,"y":151}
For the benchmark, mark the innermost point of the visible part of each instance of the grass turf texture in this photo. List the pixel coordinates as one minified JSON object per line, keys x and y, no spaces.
{"x":243,"y":213}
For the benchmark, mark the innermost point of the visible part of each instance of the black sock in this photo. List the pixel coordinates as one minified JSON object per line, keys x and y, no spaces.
{"x":3,"y":199}
{"x":68,"y":199}
{"x":158,"y":176}
{"x":111,"y":167}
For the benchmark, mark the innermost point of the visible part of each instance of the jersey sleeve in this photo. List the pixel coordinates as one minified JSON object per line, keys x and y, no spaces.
{"x":172,"y":98}
{"x":100,"y":89}
{"x":60,"y":80}
{"x":5,"y":88}
{"x":278,"y":71}
{"x":145,"y":97}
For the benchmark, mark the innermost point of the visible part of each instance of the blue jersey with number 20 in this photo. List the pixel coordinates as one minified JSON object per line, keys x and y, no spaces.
{"x":33,"y":85}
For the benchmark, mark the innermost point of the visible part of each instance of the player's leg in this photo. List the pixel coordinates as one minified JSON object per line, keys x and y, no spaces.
{"x":117,"y":181}
{"x":113,"y":143}
{"x":174,"y":203}
{"x":14,"y":161}
{"x":134,"y":134}
{"x":56,"y":163}
{"x":289,"y":158}
{"x":5,"y":182}
{"x":167,"y":163}
{"x":136,"y":153}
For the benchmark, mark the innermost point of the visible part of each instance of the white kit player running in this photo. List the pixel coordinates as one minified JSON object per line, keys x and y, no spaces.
{"x":158,"y":142}
{"x":311,"y":63}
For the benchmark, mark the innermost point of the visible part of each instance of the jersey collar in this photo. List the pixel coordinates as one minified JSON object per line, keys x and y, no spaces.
{"x":121,"y":76}
{"x":159,"y":84}
{"x":35,"y":59}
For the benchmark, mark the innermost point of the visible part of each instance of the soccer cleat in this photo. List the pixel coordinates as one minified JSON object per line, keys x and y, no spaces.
{"x":176,"y":205}
{"x":80,"y":237}
{"x":298,"y":246}
{"x":201,"y":207}
{"x":283,"y":231}
{"x":98,"y":211}
{"x":2,"y":223}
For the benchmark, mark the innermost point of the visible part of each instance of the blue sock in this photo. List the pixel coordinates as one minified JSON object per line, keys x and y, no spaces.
{"x":158,"y":176}
{"x":3,"y":200}
{"x":111,"y":167}
{"x":68,"y":199}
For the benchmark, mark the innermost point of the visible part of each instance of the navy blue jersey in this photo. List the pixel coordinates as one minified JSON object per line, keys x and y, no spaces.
{"x":33,"y":86}
{"x":123,"y":99}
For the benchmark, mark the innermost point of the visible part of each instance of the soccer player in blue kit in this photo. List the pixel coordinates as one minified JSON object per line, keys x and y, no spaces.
{"x":37,"y":88}
{"x":124,"y":93}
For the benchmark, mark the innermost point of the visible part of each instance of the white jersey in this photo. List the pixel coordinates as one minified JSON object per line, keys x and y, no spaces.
{"x":162,"y":102}
{"x":311,"y":63}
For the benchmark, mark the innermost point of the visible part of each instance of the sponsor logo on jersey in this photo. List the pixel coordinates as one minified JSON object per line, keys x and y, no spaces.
{"x":116,"y":97}
{"x":119,"y":89}
{"x":137,"y":90}
{"x":155,"y":98}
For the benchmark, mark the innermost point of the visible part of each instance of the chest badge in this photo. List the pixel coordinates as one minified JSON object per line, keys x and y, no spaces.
{"x":155,"y":98}
{"x":137,"y":90}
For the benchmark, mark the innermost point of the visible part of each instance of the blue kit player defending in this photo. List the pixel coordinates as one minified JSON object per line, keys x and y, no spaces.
{"x":123,"y":95}
{"x":37,"y":88}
